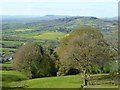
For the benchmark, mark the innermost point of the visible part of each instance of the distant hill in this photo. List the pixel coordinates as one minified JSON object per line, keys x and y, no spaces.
{"x":32,"y":27}
{"x":111,"y":19}
{"x":51,"y":17}
{"x":19,"y":17}
{"x":55,"y":22}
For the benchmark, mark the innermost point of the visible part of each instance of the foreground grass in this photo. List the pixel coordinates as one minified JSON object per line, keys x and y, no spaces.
{"x":102,"y":86}
{"x":12,"y":75}
{"x":55,"y":82}
{"x":15,"y":79}
{"x":10,"y":78}
{"x":73,"y":81}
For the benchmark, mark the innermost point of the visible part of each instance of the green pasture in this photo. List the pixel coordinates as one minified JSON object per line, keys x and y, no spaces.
{"x":26,"y":35}
{"x":23,"y":30}
{"x":11,"y":78}
{"x":50,"y":35}
{"x":6,"y":65}
{"x":73,"y":81}
{"x":12,"y":42}
{"x":7,"y":49}
{"x":15,"y":79}
{"x":42,"y":35}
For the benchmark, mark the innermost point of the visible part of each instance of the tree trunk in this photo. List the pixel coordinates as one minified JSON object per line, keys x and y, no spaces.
{"x":85,"y":81}
{"x":85,"y":78}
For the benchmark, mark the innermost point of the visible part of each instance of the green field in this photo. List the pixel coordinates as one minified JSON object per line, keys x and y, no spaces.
{"x":55,"y":82}
{"x":12,"y":43}
{"x":6,"y":65}
{"x":23,"y":30}
{"x":7,"y":49}
{"x":42,"y":35}
{"x":11,"y":78}
{"x":50,"y":35}
{"x":38,"y":38}
{"x":15,"y":79}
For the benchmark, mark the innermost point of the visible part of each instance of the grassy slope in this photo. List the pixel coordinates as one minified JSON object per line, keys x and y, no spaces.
{"x":55,"y":82}
{"x":13,"y":79}
{"x":103,"y":86}
{"x":6,"y":65}
{"x":50,"y":35}
{"x":12,"y":42}
{"x":7,"y":49}
{"x":23,"y":30}
{"x":72,"y":81}
{"x":38,"y":36}
{"x":42,"y":35}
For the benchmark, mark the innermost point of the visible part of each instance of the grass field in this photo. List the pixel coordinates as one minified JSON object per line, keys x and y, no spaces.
{"x":23,"y":30}
{"x":42,"y":35}
{"x":6,"y":65}
{"x":72,"y":81}
{"x":12,"y":43}
{"x":18,"y":79}
{"x":50,"y":35}
{"x":15,"y":79}
{"x":27,"y":35}
{"x":55,"y":82}
{"x":11,"y":78}
{"x":7,"y":49}
{"x":39,"y":38}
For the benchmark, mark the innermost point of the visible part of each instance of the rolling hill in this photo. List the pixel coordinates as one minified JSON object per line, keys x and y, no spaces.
{"x":36,"y":28}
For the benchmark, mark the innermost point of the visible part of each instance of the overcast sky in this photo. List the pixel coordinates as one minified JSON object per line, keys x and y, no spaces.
{"x":98,"y":8}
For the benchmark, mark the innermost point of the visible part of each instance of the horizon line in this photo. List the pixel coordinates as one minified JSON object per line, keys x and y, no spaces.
{"x":65,"y":15}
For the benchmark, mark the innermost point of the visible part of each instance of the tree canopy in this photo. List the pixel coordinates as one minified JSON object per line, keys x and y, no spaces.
{"x":33,"y":60}
{"x":82,"y":49}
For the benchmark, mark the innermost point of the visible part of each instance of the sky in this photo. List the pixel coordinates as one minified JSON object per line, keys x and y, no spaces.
{"x":98,"y":8}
